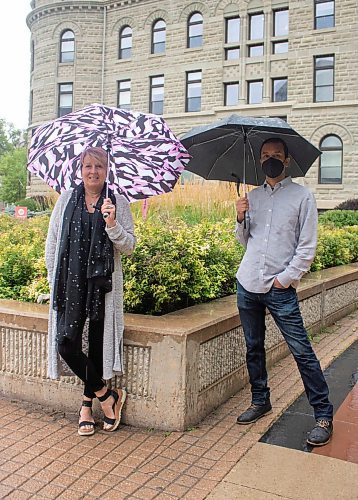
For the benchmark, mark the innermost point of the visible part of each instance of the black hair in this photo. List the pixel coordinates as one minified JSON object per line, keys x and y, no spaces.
{"x":276,"y":140}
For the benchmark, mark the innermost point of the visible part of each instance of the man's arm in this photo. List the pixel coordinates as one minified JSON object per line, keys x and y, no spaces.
{"x":306,"y":246}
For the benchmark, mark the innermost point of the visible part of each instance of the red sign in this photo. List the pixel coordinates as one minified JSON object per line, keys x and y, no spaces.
{"x":21,"y":212}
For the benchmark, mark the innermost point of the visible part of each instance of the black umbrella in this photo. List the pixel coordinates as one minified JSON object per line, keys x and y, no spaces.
{"x":229,"y":149}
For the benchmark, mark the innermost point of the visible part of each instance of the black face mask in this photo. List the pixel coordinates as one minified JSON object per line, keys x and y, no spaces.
{"x":273,"y":167}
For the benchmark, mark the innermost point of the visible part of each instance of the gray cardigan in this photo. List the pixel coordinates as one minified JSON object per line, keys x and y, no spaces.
{"x":122,"y":236}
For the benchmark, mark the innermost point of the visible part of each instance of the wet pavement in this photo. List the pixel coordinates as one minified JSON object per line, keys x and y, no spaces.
{"x":42,"y":456}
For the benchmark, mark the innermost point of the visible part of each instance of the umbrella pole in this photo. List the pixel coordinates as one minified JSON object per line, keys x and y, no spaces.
{"x":244,"y":174}
{"x":108,"y":166}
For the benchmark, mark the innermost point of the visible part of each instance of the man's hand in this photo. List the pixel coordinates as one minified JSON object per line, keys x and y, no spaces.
{"x":242,"y":206}
{"x":277,"y":284}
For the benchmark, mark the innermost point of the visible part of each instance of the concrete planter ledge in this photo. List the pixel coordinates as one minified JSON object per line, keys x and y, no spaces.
{"x":178,"y":367}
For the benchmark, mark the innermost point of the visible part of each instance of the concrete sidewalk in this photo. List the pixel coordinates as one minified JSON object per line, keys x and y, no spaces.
{"x":42,"y":456}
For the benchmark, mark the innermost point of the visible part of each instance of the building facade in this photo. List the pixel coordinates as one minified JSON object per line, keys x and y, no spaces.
{"x":195,"y":62}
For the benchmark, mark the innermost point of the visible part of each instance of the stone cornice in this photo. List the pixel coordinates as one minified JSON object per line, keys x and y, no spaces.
{"x":78,"y":5}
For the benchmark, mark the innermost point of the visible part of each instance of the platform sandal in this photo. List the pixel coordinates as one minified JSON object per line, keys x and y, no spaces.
{"x":82,"y":431}
{"x":117,"y":406}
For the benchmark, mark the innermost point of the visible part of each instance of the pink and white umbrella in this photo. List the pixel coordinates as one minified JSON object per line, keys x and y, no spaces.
{"x":146,"y":159}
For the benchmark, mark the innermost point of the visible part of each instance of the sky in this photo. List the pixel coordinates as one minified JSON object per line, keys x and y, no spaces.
{"x":14,"y":62}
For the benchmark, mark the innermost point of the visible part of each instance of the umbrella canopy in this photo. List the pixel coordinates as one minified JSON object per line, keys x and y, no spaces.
{"x":145,"y":157}
{"x":229,"y":149}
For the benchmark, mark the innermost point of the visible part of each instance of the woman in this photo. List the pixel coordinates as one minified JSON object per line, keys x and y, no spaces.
{"x":87,"y":234}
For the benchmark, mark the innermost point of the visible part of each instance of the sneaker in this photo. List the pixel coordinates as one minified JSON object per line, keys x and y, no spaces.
{"x":253,"y":413}
{"x":321,"y":432}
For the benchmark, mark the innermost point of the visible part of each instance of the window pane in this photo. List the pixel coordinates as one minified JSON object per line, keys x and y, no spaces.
{"x":331,"y":158}
{"x":324,"y":9}
{"x":331,"y":142}
{"x":232,"y":54}
{"x":195,"y":42}
{"x":67,"y":56}
{"x":231,"y":94}
{"x":324,"y":77}
{"x":158,"y":80}
{"x":159,"y":36}
{"x":125,"y":85}
{"x":324,"y":94}
{"x":66,"y":87}
{"x":281,"y":23}
{"x":157,"y":107}
{"x":325,"y":22}
{"x":196,"y":30}
{"x":126,"y":53}
{"x":195,"y":18}
{"x":194,"y":104}
{"x":68,"y":35}
{"x":196,"y":75}
{"x":256,"y":27}
{"x":126,"y":31}
{"x":126,"y":43}
{"x":280,"y":47}
{"x":280,"y":90}
{"x":233,"y":30}
{"x":194,"y":89}
{"x":66,"y":100}
{"x":256,"y":50}
{"x":159,"y":25}
{"x":68,"y":46}
{"x":255,"y":92}
{"x":324,"y":62}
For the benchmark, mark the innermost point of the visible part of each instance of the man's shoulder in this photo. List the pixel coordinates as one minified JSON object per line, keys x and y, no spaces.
{"x":300,"y":190}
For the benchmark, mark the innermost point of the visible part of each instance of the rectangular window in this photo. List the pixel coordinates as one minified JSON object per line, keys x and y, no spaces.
{"x":232,"y":53}
{"x":324,"y":78}
{"x":231,"y":94}
{"x":256,"y":31}
{"x":31,"y":104}
{"x":324,"y":14}
{"x":65,"y":98}
{"x":156,"y":104}
{"x":124,"y":94}
{"x":280,"y":22}
{"x":32,"y":55}
{"x":255,"y":92}
{"x":279,"y":47}
{"x":193,"y":91}
{"x":279,"y":89}
{"x":232,"y":32}
{"x":256,"y":50}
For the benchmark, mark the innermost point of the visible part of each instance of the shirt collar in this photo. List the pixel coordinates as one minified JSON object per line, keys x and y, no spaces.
{"x":285,"y":182}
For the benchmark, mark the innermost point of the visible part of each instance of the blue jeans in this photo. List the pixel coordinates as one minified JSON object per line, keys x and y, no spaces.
{"x":283,"y":306}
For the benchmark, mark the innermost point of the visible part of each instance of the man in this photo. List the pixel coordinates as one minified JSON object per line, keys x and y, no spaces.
{"x":280,"y":239}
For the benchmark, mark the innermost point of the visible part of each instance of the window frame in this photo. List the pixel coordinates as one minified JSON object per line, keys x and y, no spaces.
{"x":155,"y":86}
{"x":251,"y":15}
{"x":226,"y":85}
{"x":315,"y":69}
{"x":227,"y":20}
{"x":275,"y":79}
{"x":62,"y":41}
{"x":275,"y":11}
{"x":158,"y":30}
{"x":122,"y":91}
{"x":249,"y":82}
{"x":254,"y":45}
{"x":61,"y":93}
{"x":121,"y":37}
{"x":187,"y":110}
{"x":328,"y":148}
{"x":315,"y":17}
{"x":194,"y":23}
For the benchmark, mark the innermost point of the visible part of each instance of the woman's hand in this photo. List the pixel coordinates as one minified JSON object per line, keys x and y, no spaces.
{"x":109,"y":212}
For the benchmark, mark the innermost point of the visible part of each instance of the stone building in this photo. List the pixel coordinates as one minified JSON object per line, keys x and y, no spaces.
{"x":197,"y":61}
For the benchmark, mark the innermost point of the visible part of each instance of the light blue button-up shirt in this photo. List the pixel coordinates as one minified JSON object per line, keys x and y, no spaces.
{"x":280,"y":236}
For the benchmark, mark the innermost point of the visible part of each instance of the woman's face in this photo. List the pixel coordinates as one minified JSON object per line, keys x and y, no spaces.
{"x":93,"y":173}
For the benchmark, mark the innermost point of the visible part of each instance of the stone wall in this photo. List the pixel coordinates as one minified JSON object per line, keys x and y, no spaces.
{"x":93,"y":20}
{"x":178,"y":367}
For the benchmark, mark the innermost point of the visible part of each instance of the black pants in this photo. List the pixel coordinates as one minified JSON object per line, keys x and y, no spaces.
{"x":88,"y":368}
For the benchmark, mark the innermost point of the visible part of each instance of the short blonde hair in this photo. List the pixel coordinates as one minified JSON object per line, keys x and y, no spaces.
{"x":98,"y":153}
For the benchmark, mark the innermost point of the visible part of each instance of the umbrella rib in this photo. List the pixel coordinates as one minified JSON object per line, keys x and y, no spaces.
{"x":223,"y":154}
{"x":213,"y":140}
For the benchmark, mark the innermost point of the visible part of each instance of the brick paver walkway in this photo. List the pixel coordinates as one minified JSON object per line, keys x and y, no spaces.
{"x":42,"y":456}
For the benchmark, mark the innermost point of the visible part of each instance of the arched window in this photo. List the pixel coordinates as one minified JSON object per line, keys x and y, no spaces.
{"x":125,"y":42}
{"x":195,"y":30}
{"x":158,"y":36}
{"x":331,"y":160}
{"x":67,"y":49}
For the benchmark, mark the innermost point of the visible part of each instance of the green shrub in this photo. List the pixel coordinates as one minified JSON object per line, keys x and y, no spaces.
{"x":30,"y":203}
{"x":174,"y":264}
{"x":339,"y":218}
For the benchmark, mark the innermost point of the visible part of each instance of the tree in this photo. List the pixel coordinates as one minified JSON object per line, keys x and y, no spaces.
{"x":10,"y":137}
{"x":13,"y":175}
